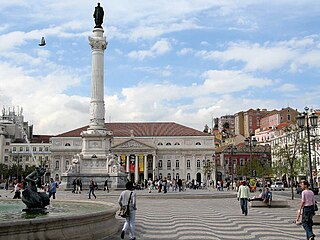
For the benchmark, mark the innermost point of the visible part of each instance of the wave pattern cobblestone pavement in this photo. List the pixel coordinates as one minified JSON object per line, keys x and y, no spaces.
{"x":214,"y":219}
{"x":196,"y":215}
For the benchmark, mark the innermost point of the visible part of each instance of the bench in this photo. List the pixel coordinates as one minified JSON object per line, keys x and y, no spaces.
{"x":274,"y":204}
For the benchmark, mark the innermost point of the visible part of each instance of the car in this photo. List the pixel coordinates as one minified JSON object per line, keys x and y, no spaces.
{"x":277,"y":186}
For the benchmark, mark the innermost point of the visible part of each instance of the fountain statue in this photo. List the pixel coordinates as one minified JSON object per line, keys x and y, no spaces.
{"x":34,"y":200}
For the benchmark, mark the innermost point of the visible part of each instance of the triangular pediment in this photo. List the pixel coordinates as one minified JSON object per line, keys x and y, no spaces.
{"x":132,"y":144}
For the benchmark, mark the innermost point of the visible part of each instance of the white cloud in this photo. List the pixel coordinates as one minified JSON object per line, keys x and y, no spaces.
{"x":184,"y":51}
{"x":270,"y":56}
{"x":287,"y":87}
{"x":159,"y":48}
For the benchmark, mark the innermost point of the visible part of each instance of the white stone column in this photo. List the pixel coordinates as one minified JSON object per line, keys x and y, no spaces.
{"x":145,"y":167}
{"x":128,"y":167}
{"x":154,"y":166}
{"x":184,"y":168}
{"x":98,"y":44}
{"x":136,"y":169}
{"x":2,"y":144}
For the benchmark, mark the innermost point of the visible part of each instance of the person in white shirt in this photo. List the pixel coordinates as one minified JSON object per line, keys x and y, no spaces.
{"x":243,"y":195}
{"x":123,"y":201}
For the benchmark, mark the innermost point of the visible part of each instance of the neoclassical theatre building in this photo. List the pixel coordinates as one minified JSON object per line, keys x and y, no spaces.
{"x":145,"y":150}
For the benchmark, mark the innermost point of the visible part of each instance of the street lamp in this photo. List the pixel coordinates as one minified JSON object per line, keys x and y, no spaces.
{"x":251,"y":143}
{"x":232,"y":149}
{"x":306,"y":120}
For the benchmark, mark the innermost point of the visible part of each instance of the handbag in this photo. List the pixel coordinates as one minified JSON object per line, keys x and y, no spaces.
{"x":124,"y":210}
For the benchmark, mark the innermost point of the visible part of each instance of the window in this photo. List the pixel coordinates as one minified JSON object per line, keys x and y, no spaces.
{"x":198,"y":163}
{"x":289,"y":117}
{"x":168,"y":144}
{"x":40,"y":149}
{"x":169,"y":176}
{"x":177,"y":143}
{"x":160,"y":164}
{"x":177,"y":176}
{"x":40,"y":159}
{"x":21,"y":149}
{"x":46,"y":149}
{"x":7,"y":143}
{"x":27,"y":149}
{"x":6,"y":150}
{"x":168,"y":164}
{"x":188,"y":177}
{"x":160,"y":175}
{"x":46,"y":158}
{"x":14,"y":149}
{"x":57,"y":164}
{"x":149,"y":164}
{"x":27,"y":158}
{"x":67,"y":145}
{"x":198,"y":143}
{"x":241,"y":162}
{"x":6,"y":158}
{"x":160,"y":144}
{"x":34,"y":149}
{"x":67,"y":165}
{"x":188,"y":164}
{"x":177,"y":164}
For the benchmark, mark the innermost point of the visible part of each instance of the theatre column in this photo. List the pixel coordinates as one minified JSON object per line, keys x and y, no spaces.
{"x":145,"y":167}
{"x":136,"y":169}
{"x":128,"y":167}
{"x":154,"y":166}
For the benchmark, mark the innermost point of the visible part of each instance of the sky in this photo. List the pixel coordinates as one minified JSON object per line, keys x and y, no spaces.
{"x":180,"y":61}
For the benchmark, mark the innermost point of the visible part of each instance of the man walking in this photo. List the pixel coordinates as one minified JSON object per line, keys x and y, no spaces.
{"x":243,"y":195}
{"x":307,"y":209}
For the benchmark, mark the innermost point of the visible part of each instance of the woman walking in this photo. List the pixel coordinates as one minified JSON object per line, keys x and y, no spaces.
{"x":128,"y":198}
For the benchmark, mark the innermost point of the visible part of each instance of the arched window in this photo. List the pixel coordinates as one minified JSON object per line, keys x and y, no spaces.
{"x":67,"y":145}
{"x":177,"y":144}
{"x":160,"y":175}
{"x":198,"y":163}
{"x":160,"y":144}
{"x":168,"y":144}
{"x":177,"y":176}
{"x":169,"y":176}
{"x":188,"y":177}
{"x":177,"y":164}
{"x":160,"y":164}
{"x":149,"y":163}
{"x":168,"y":164}
{"x":188,"y":164}
{"x":198,"y":143}
{"x":67,"y":165}
{"x":57,"y":177}
{"x":57,"y":164}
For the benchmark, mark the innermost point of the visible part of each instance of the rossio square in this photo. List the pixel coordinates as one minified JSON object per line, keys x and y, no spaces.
{"x":251,"y":174}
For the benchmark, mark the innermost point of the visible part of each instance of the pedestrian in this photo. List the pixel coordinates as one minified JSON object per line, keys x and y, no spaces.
{"x":52,"y":188}
{"x":106,"y":186}
{"x":74,"y":184}
{"x":16,"y":190}
{"x":307,"y":209}
{"x":180,"y":184}
{"x":243,"y":195}
{"x":124,"y":201}
{"x":7,"y":184}
{"x":78,"y":185}
{"x":91,"y":189}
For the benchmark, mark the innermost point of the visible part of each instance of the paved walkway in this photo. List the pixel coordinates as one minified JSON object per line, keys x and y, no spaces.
{"x":204,"y":215}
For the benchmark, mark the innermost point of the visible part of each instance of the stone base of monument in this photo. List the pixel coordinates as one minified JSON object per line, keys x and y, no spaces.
{"x":116,"y":181}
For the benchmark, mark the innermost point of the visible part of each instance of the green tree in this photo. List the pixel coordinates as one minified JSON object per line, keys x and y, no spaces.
{"x":291,"y":155}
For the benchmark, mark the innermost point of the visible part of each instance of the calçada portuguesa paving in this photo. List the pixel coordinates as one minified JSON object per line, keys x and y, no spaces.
{"x":202,"y":214}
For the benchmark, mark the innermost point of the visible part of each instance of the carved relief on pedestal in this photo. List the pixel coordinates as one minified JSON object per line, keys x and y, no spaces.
{"x":95,"y":144}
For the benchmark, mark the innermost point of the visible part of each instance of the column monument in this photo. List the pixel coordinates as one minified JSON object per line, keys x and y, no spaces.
{"x":96,"y":159}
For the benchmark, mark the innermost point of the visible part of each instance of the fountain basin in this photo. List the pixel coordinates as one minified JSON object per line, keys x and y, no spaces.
{"x":97,"y":222}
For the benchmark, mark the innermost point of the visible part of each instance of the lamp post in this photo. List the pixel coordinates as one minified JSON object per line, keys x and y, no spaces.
{"x":232,"y":149}
{"x":251,"y":143}
{"x":307,"y":120}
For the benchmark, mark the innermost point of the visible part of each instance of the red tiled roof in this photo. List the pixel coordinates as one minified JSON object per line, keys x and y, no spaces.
{"x":41,"y":138}
{"x":284,"y":124}
{"x":142,"y":129}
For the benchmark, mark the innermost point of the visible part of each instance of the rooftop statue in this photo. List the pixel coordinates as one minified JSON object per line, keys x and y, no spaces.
{"x":98,"y":16}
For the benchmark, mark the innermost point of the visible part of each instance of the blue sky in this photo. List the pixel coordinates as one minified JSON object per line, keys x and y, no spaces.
{"x":183,"y":61}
